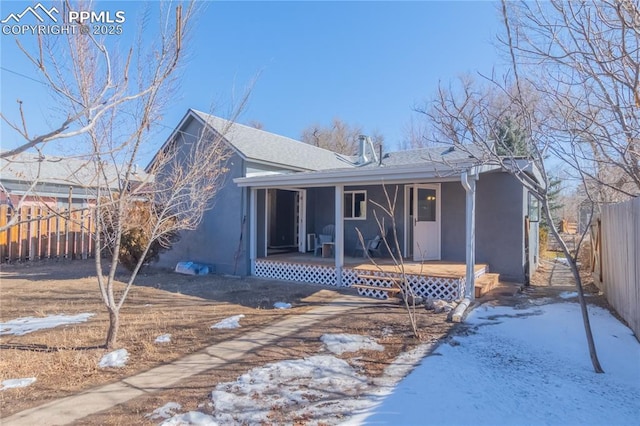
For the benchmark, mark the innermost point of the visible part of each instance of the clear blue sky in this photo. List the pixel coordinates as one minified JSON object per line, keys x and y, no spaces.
{"x":368,"y":63}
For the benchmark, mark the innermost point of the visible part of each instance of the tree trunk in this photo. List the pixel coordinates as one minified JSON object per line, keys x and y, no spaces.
{"x":114,"y":325}
{"x":576,"y":275}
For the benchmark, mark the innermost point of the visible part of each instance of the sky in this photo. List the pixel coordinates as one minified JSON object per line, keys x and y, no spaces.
{"x":514,"y":366}
{"x":368,"y":63}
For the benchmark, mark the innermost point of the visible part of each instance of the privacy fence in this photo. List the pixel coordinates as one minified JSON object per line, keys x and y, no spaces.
{"x":615,"y":259}
{"x":45,"y":233}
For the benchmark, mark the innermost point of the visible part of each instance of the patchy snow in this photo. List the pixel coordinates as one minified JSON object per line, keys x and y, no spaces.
{"x":341,"y":343}
{"x":167,"y":410}
{"x":195,"y":418}
{"x":320,"y":387}
{"x":22,"y":326}
{"x":282,"y":305}
{"x":17,"y":383}
{"x":568,"y":294}
{"x":117,"y":359}
{"x":523,"y":367}
{"x":231,"y":322}
{"x":163,"y":338}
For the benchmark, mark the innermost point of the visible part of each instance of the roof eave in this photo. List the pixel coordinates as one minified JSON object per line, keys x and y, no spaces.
{"x":358,"y":176}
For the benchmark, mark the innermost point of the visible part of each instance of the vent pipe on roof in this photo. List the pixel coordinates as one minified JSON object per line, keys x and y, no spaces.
{"x":362,"y":150}
{"x":364,"y":143}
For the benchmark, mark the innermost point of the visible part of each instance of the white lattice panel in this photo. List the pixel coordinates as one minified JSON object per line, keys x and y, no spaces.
{"x":425,"y":286}
{"x":315,"y":274}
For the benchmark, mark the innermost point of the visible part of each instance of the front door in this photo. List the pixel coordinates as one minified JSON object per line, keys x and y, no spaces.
{"x":426,"y":222}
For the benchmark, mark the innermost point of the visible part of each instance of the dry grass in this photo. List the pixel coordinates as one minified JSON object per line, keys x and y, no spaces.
{"x":64,"y":359}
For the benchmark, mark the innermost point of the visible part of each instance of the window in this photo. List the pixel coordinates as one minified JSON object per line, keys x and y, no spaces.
{"x":355,"y":205}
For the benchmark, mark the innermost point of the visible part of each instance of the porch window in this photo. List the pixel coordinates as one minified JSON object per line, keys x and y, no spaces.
{"x":355,"y":205}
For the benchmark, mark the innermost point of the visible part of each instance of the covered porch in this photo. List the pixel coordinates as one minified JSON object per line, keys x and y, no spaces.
{"x":350,"y":202}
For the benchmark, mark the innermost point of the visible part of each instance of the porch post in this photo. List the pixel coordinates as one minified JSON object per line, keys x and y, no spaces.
{"x":468,"y":180}
{"x":253,"y":229}
{"x":339,"y":233}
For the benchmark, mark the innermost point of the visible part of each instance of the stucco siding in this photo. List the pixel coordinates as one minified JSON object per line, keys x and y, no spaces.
{"x":500,"y":225}
{"x":217,"y":238}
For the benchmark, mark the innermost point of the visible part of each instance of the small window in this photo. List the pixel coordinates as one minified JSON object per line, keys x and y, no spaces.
{"x":355,"y":205}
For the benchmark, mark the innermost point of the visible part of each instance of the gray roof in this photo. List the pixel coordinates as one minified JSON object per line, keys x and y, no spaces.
{"x":445,"y":155}
{"x":258,"y":145}
{"x":78,"y":172}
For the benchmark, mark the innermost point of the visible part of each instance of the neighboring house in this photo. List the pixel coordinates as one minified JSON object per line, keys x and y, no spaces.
{"x":49,"y":201}
{"x":280,"y":192}
{"x":55,"y":182}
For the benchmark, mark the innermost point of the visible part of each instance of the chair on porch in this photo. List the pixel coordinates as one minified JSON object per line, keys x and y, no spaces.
{"x":327,"y":236}
{"x":371,"y":247}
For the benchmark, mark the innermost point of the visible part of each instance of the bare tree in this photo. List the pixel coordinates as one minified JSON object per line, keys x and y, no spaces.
{"x":113,"y":104}
{"x":181,"y":184}
{"x":388,"y":230}
{"x":339,"y":137}
{"x":471,"y":119}
{"x":583,"y":59}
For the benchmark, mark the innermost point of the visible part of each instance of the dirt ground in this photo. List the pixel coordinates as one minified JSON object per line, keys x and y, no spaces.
{"x":65,"y":359}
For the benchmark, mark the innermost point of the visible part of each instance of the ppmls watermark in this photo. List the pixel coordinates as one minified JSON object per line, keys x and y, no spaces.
{"x":40,"y":20}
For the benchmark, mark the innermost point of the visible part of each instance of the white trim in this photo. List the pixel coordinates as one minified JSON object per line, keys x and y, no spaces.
{"x":266,"y":222}
{"x":364,"y":176}
{"x":353,"y":193}
{"x":253,"y":229}
{"x":407,"y":222}
{"x":438,"y":188}
{"x":339,"y":233}
{"x":302,"y":219}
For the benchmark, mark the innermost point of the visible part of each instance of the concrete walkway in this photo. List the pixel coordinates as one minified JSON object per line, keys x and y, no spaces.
{"x":75,"y":407}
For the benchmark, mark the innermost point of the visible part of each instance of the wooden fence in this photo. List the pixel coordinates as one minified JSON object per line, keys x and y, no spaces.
{"x":44,"y":233}
{"x":616,"y":259}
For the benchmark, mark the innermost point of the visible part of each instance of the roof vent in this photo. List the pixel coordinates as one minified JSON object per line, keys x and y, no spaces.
{"x":365,"y":145}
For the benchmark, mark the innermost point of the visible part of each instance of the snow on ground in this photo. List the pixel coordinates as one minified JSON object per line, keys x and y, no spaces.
{"x":231,"y":322}
{"x":568,"y":294}
{"x":320,"y":386}
{"x":163,"y":338}
{"x":523,"y":367}
{"x":191,"y":418}
{"x":117,"y":358}
{"x":22,"y":326}
{"x":17,"y":383}
{"x":282,"y":305}
{"x":167,"y":410}
{"x":340,"y":343}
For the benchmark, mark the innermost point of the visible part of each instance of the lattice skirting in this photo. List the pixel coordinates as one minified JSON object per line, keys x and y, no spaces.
{"x":446,"y":288}
{"x":314,"y":274}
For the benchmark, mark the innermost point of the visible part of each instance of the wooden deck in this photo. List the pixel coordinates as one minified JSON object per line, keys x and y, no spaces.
{"x":439,"y":268}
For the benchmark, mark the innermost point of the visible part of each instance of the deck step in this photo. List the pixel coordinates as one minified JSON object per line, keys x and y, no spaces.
{"x":378,"y":288}
{"x":379,"y":278}
{"x":485,"y":283}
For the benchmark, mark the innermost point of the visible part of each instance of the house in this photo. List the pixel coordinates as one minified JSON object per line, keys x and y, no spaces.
{"x":46,"y":205}
{"x":280,"y":193}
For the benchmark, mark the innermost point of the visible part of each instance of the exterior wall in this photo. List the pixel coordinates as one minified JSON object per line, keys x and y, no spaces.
{"x":500,"y":211}
{"x":216,"y":241}
{"x":369,"y":227}
{"x":320,"y":209}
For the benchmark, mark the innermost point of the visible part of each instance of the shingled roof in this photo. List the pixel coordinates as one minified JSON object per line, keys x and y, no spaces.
{"x":259,"y":145}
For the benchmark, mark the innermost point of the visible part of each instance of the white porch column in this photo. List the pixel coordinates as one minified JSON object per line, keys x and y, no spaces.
{"x":253,"y":229}
{"x":339,"y":229}
{"x":468,"y":180}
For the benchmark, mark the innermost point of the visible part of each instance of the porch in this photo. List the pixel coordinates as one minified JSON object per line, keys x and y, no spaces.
{"x":429,"y":279}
